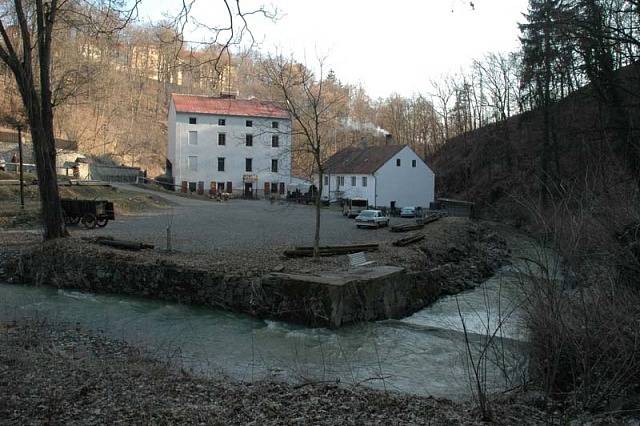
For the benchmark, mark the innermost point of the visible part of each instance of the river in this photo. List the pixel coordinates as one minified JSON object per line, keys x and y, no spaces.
{"x":423,"y":354}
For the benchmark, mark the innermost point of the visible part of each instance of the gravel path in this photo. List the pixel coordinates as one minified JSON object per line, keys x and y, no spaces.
{"x":201,"y":226}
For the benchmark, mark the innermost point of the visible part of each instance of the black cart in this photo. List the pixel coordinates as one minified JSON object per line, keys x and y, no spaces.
{"x":91,"y":213}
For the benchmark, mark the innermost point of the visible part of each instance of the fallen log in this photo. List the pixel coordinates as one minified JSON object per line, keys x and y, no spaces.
{"x":120,"y":244}
{"x":419,"y":225}
{"x":406,"y":228}
{"x":330,"y":250}
{"x":408,"y":240}
{"x":346,"y":246}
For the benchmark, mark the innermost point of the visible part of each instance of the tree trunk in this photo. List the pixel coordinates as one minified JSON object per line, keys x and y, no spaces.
{"x":316,"y":235}
{"x":45,"y":156}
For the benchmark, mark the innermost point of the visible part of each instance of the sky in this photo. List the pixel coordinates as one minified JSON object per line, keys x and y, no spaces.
{"x":386,"y":46}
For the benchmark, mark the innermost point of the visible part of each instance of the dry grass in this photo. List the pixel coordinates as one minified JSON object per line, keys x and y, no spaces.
{"x":125,"y":202}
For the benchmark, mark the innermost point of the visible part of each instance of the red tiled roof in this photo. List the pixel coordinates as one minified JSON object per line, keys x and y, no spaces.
{"x":227,"y":106}
{"x":361,"y":161}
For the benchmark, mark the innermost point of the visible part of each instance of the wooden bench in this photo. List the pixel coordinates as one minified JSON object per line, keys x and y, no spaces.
{"x":359,"y":259}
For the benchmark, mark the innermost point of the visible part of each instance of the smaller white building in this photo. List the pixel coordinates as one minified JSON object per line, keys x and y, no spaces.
{"x":388,"y":175}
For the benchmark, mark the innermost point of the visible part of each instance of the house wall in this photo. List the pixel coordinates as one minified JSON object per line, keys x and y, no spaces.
{"x":334,"y":191}
{"x":235,"y":151}
{"x":171,"y":148}
{"x":406,"y":185}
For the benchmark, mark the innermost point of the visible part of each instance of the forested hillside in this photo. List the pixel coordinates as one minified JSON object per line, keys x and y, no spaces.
{"x":498,"y":166}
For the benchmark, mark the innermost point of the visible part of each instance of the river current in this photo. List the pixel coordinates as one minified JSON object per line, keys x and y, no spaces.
{"x":423,"y":354}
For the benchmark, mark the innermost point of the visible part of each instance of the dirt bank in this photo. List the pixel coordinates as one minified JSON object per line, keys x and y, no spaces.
{"x":56,"y":374}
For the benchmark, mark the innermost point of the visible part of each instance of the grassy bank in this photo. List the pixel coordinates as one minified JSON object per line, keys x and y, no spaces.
{"x":13,"y":216}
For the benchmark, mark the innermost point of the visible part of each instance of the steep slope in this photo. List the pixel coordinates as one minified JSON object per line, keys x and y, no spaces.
{"x":498,"y":166}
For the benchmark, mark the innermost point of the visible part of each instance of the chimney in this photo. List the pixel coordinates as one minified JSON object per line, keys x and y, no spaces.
{"x":388,"y":139}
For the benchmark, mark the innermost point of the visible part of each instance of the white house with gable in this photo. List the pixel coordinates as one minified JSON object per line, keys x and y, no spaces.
{"x":388,"y":175}
{"x":224,"y":144}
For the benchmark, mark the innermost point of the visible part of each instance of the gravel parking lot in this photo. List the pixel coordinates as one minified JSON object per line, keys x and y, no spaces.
{"x":200,"y":226}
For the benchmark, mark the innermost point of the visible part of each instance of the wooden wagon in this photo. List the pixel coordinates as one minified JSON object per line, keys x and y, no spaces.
{"x":91,"y":213}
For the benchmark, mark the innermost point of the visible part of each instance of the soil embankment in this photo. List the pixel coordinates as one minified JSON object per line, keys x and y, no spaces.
{"x":57,"y":374}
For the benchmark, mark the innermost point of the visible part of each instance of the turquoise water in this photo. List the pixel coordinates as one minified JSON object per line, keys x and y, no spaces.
{"x":422,"y":354}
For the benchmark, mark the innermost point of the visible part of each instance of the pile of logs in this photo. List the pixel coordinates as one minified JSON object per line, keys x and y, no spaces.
{"x":307,"y":251}
{"x":419,"y":225}
{"x":408,"y":240}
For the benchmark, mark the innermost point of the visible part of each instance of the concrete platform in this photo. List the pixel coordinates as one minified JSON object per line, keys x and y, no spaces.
{"x":336,"y":298}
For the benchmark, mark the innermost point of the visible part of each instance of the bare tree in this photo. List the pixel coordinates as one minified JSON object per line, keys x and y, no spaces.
{"x":443,"y":92}
{"x":27,"y":30}
{"x":311,"y":103}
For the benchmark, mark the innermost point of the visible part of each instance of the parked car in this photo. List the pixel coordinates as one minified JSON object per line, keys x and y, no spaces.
{"x":408,"y":212}
{"x":371,"y":219}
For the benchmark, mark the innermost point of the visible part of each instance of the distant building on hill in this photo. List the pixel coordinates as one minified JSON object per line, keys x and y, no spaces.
{"x":224,"y":144}
{"x":386,"y":176}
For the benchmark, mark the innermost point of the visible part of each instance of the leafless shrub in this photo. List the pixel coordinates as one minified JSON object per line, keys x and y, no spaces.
{"x":584,"y":334}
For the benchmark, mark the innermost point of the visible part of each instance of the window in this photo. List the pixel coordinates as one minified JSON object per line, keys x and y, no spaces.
{"x":398,"y":162}
{"x":192,"y":120}
{"x":193,"y":138}
{"x":192,"y":163}
{"x":413,"y":163}
{"x":274,"y":124}
{"x":248,"y":164}
{"x":340,"y":181}
{"x":353,"y":181}
{"x":364,"y":181}
{"x":248,"y":140}
{"x":274,"y":165}
{"x":248,"y":123}
{"x":326,"y":180}
{"x":274,"y":187}
{"x":275,"y":141}
{"x":221,"y":164}
{"x":222,"y":139}
{"x":222,"y":122}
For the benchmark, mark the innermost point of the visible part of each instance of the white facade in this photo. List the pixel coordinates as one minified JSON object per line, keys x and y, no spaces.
{"x":199,"y":155}
{"x":404,"y":179}
{"x":353,"y":186}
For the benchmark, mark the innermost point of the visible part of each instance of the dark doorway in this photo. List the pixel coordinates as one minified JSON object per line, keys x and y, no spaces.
{"x":220,"y":187}
{"x":248,"y":190}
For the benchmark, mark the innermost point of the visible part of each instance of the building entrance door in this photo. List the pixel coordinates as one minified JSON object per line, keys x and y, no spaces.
{"x":248,"y":190}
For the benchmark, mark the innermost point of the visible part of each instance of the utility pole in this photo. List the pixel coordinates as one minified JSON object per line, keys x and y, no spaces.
{"x":21,"y":171}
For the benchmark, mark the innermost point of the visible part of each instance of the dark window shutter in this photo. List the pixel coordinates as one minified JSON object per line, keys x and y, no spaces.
{"x":229,"y":187}
{"x":281,"y":187}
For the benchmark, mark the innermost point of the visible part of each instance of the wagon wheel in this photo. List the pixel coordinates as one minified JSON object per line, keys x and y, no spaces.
{"x":102,"y":222}
{"x":74,"y":220}
{"x":89,"y":221}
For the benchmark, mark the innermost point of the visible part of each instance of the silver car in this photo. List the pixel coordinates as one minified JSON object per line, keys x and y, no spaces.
{"x":371,"y":219}
{"x":408,"y":212}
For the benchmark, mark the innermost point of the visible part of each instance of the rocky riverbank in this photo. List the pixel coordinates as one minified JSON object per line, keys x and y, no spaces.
{"x":323,"y":292}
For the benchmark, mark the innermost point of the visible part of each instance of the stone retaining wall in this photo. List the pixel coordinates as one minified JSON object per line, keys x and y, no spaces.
{"x":331,"y":299}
